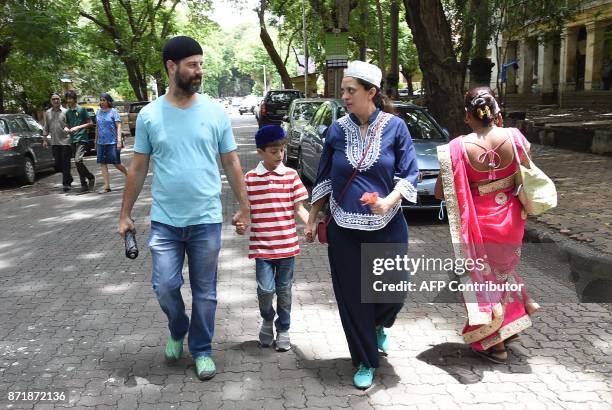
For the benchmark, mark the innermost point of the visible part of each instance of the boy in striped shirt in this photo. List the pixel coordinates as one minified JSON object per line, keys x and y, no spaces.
{"x":276,"y":195}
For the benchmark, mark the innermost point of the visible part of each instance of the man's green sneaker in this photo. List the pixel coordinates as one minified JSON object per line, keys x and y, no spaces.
{"x":205,"y":367}
{"x":174,"y":350}
{"x":382,"y":339}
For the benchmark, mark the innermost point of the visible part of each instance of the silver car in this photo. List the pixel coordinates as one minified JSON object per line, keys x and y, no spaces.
{"x":425,"y":132}
{"x":426,"y":135}
{"x":300,"y":113}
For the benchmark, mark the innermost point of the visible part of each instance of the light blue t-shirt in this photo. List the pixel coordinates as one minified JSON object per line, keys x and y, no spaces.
{"x":184,"y":144}
{"x":106,"y":121}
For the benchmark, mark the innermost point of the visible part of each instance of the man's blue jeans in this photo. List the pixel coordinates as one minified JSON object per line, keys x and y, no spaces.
{"x":275,"y":276}
{"x":168,"y":246}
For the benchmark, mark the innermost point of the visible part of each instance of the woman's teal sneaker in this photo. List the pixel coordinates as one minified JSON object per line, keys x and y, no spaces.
{"x":364,"y":377}
{"x":382,"y":340}
{"x":174,"y":350}
{"x":205,"y":367}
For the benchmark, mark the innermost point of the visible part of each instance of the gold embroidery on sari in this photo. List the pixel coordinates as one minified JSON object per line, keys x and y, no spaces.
{"x":505,"y":332}
{"x":496,"y":185}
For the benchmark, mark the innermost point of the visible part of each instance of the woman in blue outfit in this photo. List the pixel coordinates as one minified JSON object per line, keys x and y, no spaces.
{"x":376,"y":143}
{"x":109,"y":141}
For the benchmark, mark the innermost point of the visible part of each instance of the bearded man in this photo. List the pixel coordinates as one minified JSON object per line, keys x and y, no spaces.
{"x":183,"y":132}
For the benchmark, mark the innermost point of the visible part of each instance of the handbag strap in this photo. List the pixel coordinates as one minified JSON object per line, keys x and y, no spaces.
{"x":520,"y":142}
{"x":365,"y":152}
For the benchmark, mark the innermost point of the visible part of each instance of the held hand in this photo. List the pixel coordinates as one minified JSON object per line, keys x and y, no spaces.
{"x":381,"y":206}
{"x":240,"y":228}
{"x":241,"y":219}
{"x":125,"y":224}
{"x":67,"y":130}
{"x":44,"y":143}
{"x":310,"y":231}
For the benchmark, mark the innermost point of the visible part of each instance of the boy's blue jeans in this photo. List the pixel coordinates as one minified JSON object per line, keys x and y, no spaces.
{"x":168,"y":246}
{"x":275,"y":276}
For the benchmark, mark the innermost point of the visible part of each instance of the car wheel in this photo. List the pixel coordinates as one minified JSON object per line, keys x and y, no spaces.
{"x":29,"y":173}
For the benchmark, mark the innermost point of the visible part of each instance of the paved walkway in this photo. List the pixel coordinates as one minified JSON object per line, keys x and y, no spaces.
{"x":584,"y":181}
{"x":76,"y":314}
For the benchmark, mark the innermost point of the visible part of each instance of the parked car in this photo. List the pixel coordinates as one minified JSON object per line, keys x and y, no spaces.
{"x":248,"y":105}
{"x":275,"y":106}
{"x":91,"y":131}
{"x":300,"y":113}
{"x":21,"y":147}
{"x":123,"y":108}
{"x":258,"y":108}
{"x":425,"y":132}
{"x":426,"y":135}
{"x":133,"y":111}
{"x":403,"y":92}
{"x":313,"y":137}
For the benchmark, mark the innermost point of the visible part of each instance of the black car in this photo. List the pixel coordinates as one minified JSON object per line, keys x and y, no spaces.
{"x":300,"y":113}
{"x":21,"y":147}
{"x":275,"y":106}
{"x":91,"y":131}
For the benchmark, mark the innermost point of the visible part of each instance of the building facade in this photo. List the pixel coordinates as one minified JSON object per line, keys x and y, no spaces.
{"x":570,"y":69}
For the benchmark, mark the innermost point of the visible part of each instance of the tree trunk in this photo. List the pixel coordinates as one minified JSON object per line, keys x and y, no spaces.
{"x":480,"y":65}
{"x":2,"y":109}
{"x":160,"y":81}
{"x":393,"y":75}
{"x":5,"y":49}
{"x":135,"y":81}
{"x":441,"y":71}
{"x":467,"y":38}
{"x":381,"y":38}
{"x":408,"y":76}
{"x":363,"y":38}
{"x":269,"y":46}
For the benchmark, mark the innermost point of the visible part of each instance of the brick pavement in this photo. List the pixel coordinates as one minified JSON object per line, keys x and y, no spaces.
{"x":583,"y":181}
{"x":77,"y":315}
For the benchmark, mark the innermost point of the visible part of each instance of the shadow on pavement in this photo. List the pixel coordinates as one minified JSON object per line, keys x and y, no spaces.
{"x":460,"y":362}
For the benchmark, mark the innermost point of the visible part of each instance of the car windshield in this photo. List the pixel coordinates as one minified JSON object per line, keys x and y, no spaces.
{"x":420,"y":125}
{"x":305,"y":111}
{"x":282,"y":97}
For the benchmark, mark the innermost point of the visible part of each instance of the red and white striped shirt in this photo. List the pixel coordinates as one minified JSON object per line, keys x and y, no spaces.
{"x":272,"y":195}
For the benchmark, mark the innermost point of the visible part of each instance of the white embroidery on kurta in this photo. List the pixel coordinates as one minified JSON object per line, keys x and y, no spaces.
{"x":322,"y":189}
{"x":355,"y":145}
{"x":364,"y":222}
{"x":407,"y":190}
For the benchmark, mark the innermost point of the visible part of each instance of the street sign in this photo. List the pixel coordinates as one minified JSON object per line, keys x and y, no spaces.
{"x":336,"y":46}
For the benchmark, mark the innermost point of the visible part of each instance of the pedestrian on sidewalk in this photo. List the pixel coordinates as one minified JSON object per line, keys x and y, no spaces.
{"x":55,"y":126}
{"x":477,"y":181}
{"x":183,"y":132}
{"x":78,"y":122}
{"x":369,"y":150}
{"x":276,"y":195}
{"x":109,"y":140}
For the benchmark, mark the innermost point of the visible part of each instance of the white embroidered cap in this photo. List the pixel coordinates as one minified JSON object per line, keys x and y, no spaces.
{"x":366,"y":71}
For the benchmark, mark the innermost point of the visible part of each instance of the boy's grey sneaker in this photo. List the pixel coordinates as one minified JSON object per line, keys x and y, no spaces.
{"x":282,"y":342}
{"x":266,"y":333}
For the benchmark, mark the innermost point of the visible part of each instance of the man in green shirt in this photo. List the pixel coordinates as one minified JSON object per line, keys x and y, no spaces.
{"x":77,"y":120}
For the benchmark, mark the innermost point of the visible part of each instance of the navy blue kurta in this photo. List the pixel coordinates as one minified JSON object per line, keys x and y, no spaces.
{"x":390,"y":164}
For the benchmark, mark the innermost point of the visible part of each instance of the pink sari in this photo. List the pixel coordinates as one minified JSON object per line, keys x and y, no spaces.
{"x":486,"y":226}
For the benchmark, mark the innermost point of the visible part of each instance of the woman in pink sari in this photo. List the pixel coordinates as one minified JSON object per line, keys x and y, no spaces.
{"x":487,"y":222}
